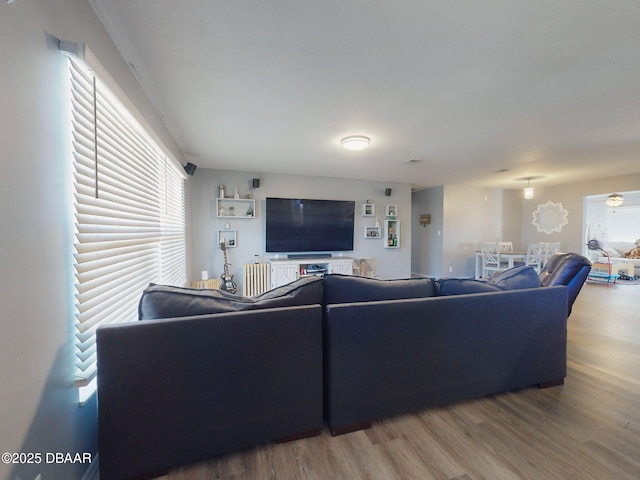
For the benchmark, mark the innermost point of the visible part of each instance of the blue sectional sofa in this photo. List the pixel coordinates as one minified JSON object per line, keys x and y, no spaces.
{"x":206,"y":372}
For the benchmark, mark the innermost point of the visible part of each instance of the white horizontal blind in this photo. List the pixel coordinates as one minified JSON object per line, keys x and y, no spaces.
{"x":129,"y":214}
{"x":623,"y":223}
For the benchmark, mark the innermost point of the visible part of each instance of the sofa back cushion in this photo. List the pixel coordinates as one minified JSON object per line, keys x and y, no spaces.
{"x":516,"y":278}
{"x":348,"y":288}
{"x":462,"y":286}
{"x":523,"y":276}
{"x":164,"y":301}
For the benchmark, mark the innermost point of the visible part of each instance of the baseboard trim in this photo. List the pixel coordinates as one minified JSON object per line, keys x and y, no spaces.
{"x":93,"y":472}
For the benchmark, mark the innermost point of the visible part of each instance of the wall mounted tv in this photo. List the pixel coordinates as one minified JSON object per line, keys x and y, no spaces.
{"x":303,"y":225}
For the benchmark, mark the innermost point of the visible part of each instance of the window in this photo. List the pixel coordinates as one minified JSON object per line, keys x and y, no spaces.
{"x":623,"y":223}
{"x":129,"y":215}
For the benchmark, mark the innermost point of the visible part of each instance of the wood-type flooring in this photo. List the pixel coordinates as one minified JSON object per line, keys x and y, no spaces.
{"x":588,"y":428}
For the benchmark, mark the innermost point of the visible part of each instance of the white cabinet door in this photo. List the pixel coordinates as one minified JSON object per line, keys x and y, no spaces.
{"x":283,"y":273}
{"x":344,"y":267}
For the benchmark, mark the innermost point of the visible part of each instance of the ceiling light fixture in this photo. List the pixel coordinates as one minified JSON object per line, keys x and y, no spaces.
{"x":615,"y":200}
{"x":528,"y":190}
{"x":355,"y":142}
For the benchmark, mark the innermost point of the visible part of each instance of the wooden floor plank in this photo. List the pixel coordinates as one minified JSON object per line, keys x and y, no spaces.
{"x":589,"y":428}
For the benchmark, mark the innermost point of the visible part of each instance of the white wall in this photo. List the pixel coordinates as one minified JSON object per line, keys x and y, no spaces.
{"x":426,"y":241}
{"x":387,"y":263}
{"x":463,"y":217}
{"x":39,"y":411}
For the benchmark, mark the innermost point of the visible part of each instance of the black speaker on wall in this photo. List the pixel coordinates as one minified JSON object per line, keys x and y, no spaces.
{"x":190,"y":168}
{"x":255,"y":183}
{"x":387,"y":192}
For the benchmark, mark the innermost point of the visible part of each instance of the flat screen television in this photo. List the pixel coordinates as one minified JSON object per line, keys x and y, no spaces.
{"x":305,"y":225}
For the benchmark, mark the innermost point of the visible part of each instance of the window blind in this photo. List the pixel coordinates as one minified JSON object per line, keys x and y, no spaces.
{"x":129,"y":214}
{"x":623,"y":223}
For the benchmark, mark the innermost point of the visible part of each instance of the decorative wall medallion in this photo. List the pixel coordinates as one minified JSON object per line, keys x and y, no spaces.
{"x":550,"y":217}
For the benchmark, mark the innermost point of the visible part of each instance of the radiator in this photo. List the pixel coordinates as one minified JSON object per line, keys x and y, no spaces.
{"x":256,"y":278}
{"x":211,"y":284}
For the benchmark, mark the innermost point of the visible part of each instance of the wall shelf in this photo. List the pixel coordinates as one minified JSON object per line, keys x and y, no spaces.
{"x":371,"y":232}
{"x":229,"y":236}
{"x":235,"y":207}
{"x":392,"y":234}
{"x":368,"y":209}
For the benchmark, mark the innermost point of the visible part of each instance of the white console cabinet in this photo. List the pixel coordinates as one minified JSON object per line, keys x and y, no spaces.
{"x":287,"y":270}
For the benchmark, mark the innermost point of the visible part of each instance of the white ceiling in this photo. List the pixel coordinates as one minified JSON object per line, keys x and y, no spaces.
{"x":468,"y":87}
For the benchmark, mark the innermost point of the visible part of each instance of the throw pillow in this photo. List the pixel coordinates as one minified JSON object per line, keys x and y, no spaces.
{"x":348,"y":288}
{"x":634,"y":252}
{"x":165,"y":301}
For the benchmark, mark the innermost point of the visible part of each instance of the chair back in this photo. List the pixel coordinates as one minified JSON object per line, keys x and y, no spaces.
{"x":490,"y":257}
{"x":535,"y":256}
{"x":550,"y":249}
{"x":505,"y":246}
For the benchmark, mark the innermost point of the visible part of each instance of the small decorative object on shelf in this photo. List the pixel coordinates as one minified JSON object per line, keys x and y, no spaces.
{"x":221,"y":191}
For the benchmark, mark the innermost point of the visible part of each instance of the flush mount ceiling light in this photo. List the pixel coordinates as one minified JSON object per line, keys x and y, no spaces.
{"x":615,"y":200}
{"x":355,"y":142}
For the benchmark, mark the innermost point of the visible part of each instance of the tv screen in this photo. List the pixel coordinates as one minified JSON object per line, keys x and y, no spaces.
{"x":303,"y":225}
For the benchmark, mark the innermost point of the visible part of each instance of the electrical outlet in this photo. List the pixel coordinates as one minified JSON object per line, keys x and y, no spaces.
{"x":450,"y":269}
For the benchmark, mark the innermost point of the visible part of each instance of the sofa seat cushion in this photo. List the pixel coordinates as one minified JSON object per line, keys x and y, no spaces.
{"x":164,"y":301}
{"x":348,"y":289}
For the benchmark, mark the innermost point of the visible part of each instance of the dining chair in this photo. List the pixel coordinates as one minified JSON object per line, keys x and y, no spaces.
{"x":535,"y":256}
{"x":550,"y":249}
{"x":490,"y":258}
{"x":505,"y":246}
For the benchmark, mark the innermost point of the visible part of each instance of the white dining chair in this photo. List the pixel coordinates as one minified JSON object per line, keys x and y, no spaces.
{"x":505,"y":246}
{"x":490,"y":258}
{"x":535,"y":256}
{"x":550,"y":249}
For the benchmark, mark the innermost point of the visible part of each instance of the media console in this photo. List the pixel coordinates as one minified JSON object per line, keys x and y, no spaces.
{"x":286,"y":270}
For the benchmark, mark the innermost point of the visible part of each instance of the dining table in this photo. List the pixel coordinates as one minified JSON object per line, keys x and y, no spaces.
{"x":512,"y":257}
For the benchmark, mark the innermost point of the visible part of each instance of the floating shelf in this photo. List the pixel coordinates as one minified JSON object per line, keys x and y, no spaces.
{"x":235,"y":207}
